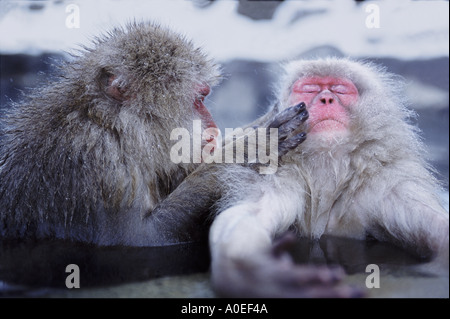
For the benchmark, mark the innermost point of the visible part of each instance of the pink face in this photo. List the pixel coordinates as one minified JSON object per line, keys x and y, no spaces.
{"x":205,"y":116}
{"x":201,"y":109}
{"x":327,"y":100}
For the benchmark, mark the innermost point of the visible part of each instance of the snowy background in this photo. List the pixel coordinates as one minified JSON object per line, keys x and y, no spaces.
{"x":252,"y":30}
{"x":250,"y":39}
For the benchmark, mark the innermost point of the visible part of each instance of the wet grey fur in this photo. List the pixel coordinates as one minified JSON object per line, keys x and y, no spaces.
{"x":77,"y":164}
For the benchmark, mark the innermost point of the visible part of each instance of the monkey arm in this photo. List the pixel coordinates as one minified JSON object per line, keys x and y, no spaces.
{"x":410,"y":215}
{"x":184,"y":215}
{"x":245,"y":261}
{"x":288,"y":124}
{"x":264,"y":120}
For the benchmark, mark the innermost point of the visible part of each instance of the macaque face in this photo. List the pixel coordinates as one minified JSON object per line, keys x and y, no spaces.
{"x":327,"y":100}
{"x":201,"y":109}
{"x":114,"y":91}
{"x":207,"y":120}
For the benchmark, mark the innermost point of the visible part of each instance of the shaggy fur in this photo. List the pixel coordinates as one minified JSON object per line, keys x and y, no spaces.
{"x":77,"y":164}
{"x":375,"y":181}
{"x":372,"y":182}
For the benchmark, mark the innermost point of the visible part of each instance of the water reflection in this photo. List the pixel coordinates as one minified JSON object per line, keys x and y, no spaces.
{"x":35,"y":269}
{"x":354,"y":255}
{"x":43,"y":263}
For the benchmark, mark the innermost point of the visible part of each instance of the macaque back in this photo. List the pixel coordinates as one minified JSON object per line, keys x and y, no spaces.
{"x":86,"y":156}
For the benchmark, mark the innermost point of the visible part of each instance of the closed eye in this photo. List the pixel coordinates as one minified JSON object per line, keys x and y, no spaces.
{"x":309,"y":88}
{"x":340,"y":89}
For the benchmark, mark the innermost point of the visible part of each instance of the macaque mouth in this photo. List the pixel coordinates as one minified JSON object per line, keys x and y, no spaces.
{"x":206,"y":117}
{"x":327,"y":125}
{"x":204,"y":113}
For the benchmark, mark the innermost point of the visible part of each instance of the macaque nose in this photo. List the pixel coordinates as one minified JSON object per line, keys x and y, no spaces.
{"x":326,"y":98}
{"x":326,"y":101}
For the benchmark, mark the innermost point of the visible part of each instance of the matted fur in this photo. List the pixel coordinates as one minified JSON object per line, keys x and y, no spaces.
{"x":77,"y":164}
{"x":373,"y":181}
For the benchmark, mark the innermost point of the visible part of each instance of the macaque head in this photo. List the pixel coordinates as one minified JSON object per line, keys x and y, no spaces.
{"x":147,"y":74}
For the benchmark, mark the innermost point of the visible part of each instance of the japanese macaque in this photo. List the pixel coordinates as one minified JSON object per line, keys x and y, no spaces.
{"x":87,"y":156}
{"x":360,"y":173}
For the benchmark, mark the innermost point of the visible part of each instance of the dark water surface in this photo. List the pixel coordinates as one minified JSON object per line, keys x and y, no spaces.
{"x":27,"y":266}
{"x":29,"y":269}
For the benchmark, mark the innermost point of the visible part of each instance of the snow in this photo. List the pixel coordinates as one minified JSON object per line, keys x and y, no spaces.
{"x":408,"y":30}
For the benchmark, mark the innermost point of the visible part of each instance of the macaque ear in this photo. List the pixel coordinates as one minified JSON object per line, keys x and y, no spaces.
{"x":111,"y":86}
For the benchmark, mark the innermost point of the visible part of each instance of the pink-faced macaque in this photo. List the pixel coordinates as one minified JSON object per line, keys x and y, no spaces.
{"x":361,"y":173}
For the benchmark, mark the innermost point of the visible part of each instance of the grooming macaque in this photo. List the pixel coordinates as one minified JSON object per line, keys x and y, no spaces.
{"x":360,"y":173}
{"x":86,"y":157}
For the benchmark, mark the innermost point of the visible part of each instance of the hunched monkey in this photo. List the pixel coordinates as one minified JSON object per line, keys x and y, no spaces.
{"x":86,"y":157}
{"x":361,"y":173}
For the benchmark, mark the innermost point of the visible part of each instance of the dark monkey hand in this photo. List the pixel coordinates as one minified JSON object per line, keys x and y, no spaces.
{"x":289,"y":123}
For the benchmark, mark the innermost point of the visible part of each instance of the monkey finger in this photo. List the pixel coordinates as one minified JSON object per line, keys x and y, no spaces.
{"x":291,"y":143}
{"x":300,"y":281}
{"x":283,"y":243}
{"x":287,"y":115}
{"x":292,"y":125}
{"x":320,"y":291}
{"x":301,"y":275}
{"x":276,"y":278}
